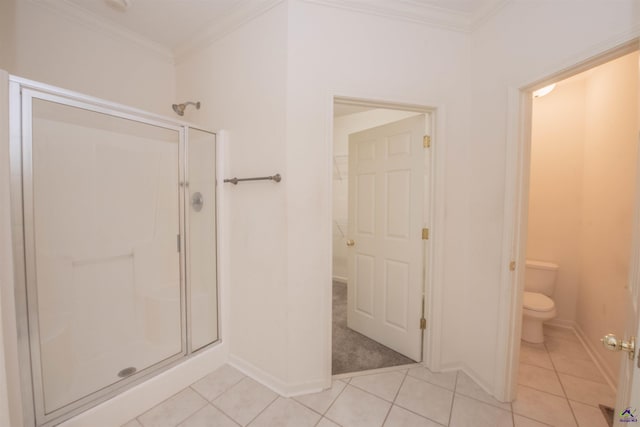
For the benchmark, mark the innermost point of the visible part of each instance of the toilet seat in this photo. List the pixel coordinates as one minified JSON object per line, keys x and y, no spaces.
{"x":536,"y":301}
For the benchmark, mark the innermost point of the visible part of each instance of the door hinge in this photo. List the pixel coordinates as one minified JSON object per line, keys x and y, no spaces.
{"x":423,"y":323}
{"x":178,"y":242}
{"x":512,"y":266}
{"x":426,"y":141}
{"x":425,"y":234}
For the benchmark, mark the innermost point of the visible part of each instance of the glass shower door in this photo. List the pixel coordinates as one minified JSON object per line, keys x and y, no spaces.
{"x":102,"y":220}
{"x":201,"y":223}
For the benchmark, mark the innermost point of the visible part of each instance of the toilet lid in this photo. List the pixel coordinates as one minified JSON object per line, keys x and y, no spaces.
{"x":537,"y":302}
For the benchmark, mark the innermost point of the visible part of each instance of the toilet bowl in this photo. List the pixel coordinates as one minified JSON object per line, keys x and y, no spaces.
{"x":537,"y":306}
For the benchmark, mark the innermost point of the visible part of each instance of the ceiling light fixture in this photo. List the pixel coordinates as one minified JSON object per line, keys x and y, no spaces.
{"x":119,"y":5}
{"x":544,"y":91}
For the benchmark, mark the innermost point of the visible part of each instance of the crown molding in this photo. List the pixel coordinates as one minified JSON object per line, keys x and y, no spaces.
{"x":102,"y":26}
{"x":236,"y":17}
{"x":487,"y":12}
{"x":405,"y":10}
{"x":418,"y":12}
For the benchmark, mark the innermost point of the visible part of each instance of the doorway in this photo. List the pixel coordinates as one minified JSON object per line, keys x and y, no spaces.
{"x":580,"y":185}
{"x":381,"y":174}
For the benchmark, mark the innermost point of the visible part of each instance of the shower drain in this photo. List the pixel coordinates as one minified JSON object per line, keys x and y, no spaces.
{"x":127,"y":371}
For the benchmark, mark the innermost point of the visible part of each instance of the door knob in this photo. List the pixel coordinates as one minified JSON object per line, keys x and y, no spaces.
{"x":610,"y":342}
{"x":351,"y":242}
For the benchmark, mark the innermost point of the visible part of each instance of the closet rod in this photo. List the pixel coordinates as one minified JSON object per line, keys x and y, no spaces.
{"x":235,"y":181}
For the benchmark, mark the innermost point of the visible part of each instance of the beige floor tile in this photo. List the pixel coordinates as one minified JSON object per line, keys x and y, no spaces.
{"x":577,"y":367}
{"x":208,"y":417}
{"x":286,"y":413}
{"x":426,"y":399}
{"x":588,"y":416}
{"x":558,"y":332}
{"x":174,"y":410}
{"x":521,"y":421}
{"x":384,"y":385}
{"x":443,"y":379}
{"x":321,"y":401}
{"x":543,"y":407}
{"x":535,"y":354}
{"x":357,"y":408}
{"x":400,"y":417}
{"x":217,"y":382}
{"x":589,"y":392}
{"x":245,"y":400}
{"x":466,"y":386}
{"x":570,"y":349}
{"x":469,"y":412}
{"x":132,"y":423}
{"x":325,"y":422}
{"x":540,"y":378}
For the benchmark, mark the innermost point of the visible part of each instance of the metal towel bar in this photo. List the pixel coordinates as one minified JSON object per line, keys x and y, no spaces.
{"x":235,"y":181}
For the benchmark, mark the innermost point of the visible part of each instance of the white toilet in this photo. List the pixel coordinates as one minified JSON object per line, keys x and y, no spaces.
{"x":538,"y":307}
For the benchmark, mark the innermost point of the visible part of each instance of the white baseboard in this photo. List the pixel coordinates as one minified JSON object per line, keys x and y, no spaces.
{"x":139,"y":399}
{"x":275,"y":384}
{"x":562,"y":323}
{"x":600,"y":363}
{"x":477,"y":379}
{"x":595,"y":356}
{"x":340,"y":279}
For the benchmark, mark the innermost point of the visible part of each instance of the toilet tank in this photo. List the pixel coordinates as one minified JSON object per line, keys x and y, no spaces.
{"x":540,"y":276}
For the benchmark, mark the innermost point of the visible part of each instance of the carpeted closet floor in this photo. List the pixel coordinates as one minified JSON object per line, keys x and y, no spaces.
{"x":352,"y":351}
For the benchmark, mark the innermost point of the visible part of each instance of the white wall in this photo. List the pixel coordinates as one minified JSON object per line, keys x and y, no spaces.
{"x":609,"y":185}
{"x":54,"y":48}
{"x":523,"y":43}
{"x":555,"y":189}
{"x":342,"y":127}
{"x":7,"y":34}
{"x":371,"y":57}
{"x":241,"y":82}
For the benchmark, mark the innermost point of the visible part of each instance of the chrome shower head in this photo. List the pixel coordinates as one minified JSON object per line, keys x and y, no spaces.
{"x":179,"y":108}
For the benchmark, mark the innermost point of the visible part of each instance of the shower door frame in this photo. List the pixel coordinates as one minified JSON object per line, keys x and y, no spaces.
{"x":22,"y":92}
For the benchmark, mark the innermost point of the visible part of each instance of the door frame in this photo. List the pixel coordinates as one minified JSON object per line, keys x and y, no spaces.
{"x":516,"y":203}
{"x":433,"y":254}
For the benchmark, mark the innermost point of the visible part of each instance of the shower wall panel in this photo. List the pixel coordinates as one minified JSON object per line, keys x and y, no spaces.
{"x":107,"y":267}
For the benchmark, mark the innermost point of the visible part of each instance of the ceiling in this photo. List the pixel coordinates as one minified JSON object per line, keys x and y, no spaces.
{"x":169,"y":23}
{"x":177,"y":25}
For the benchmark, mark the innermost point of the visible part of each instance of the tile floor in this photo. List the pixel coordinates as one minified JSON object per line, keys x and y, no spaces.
{"x":559,"y":386}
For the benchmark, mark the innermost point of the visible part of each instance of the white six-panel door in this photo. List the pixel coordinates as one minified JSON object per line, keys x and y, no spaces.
{"x":385,"y":284}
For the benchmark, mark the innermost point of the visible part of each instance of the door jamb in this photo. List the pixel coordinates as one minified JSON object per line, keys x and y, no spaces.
{"x":518,"y":160}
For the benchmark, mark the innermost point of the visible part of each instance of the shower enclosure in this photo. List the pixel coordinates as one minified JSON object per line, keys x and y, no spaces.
{"x":114,"y":214}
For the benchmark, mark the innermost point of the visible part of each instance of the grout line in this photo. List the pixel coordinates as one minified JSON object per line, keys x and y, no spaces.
{"x":562,"y":385}
{"x":538,"y":366}
{"x":265,"y":408}
{"x":532,"y":419}
{"x":453,"y":398}
{"x":395,"y":397}
{"x":513,"y":416}
{"x":323,"y":391}
{"x":335,"y":400}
